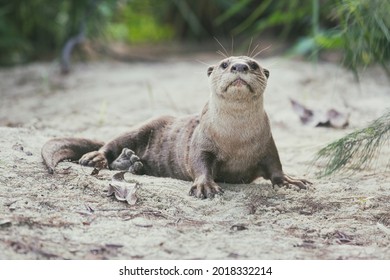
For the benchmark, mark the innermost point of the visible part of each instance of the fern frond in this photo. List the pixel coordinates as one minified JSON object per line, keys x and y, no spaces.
{"x":357,"y":149}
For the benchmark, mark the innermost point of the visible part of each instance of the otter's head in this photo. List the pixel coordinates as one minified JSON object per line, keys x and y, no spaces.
{"x":238,"y":78}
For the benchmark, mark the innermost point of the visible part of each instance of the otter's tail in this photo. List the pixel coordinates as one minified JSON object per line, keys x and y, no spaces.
{"x":59,"y":149}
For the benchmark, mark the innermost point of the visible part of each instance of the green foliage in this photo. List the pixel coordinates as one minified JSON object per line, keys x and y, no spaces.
{"x":288,"y":17}
{"x":365,"y":30}
{"x":362,"y":32}
{"x":357,"y":149}
{"x":361,"y":28}
{"x":195,"y":20}
{"x":35,"y":28}
{"x":136,"y":22}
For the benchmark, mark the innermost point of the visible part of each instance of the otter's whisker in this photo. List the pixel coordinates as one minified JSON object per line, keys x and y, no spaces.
{"x":249,"y":48}
{"x":232,"y":46}
{"x":202,"y":62}
{"x":221,"y":53}
{"x":251,"y":55}
{"x":226,"y":52}
{"x":266,"y":48}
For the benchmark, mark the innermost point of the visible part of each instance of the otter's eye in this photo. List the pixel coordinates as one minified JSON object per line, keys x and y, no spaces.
{"x":224,"y":65}
{"x":254,"y":65}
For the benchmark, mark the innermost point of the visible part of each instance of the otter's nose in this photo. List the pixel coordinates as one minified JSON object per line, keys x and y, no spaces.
{"x":238,"y":67}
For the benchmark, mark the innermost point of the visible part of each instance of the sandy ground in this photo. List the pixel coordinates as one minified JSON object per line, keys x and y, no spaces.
{"x":69,"y":216}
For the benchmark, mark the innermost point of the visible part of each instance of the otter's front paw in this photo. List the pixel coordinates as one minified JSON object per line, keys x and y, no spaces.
{"x":286,"y":180}
{"x":128,"y":161}
{"x":205,"y":189}
{"x":94,"y":159}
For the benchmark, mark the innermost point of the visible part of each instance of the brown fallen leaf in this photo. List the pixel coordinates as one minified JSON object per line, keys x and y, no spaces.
{"x":89,"y":208}
{"x":99,"y":166}
{"x":5,"y":223}
{"x":342,"y":237}
{"x":18,"y":147}
{"x":95,"y":172}
{"x":120,"y":176}
{"x":123,"y":190}
{"x":316,"y":118}
{"x":307,"y":243}
{"x":113,"y":246}
{"x":65,"y":170}
{"x":238,"y":227}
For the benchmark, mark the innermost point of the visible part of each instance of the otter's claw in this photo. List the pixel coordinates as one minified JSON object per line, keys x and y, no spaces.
{"x":205,"y":189}
{"x":300,"y":183}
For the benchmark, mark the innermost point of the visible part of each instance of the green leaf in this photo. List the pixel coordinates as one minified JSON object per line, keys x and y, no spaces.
{"x":329,"y":41}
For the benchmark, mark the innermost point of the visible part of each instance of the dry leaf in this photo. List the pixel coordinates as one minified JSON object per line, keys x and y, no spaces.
{"x":89,"y":208}
{"x":330,"y":118}
{"x":238,"y":227}
{"x":342,"y":237}
{"x":383,"y":228}
{"x":120,"y":176}
{"x":18,"y":147}
{"x":95,"y":172}
{"x":5,"y":223}
{"x":123,"y":190}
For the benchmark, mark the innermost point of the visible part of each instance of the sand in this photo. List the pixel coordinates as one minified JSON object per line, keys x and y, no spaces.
{"x":68,"y":215}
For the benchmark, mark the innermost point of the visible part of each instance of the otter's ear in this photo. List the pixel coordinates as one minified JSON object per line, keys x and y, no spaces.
{"x":210,"y":70}
{"x":266,"y":73}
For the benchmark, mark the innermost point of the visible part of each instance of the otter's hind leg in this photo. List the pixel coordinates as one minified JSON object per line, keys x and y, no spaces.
{"x":136,"y":140}
{"x":128,"y":161}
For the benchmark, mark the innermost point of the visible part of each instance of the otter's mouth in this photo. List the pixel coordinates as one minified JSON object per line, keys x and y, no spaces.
{"x":239,"y":83}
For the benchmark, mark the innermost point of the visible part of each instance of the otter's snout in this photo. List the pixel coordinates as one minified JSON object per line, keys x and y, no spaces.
{"x":239,"y":67}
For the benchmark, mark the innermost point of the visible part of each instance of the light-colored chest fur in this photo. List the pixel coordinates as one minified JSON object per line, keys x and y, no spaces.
{"x":240,"y":133}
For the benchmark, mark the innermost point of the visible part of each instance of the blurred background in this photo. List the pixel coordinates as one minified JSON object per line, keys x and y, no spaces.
{"x":357,"y":31}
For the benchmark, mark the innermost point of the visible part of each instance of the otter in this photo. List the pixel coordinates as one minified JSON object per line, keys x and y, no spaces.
{"x":229,"y":142}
